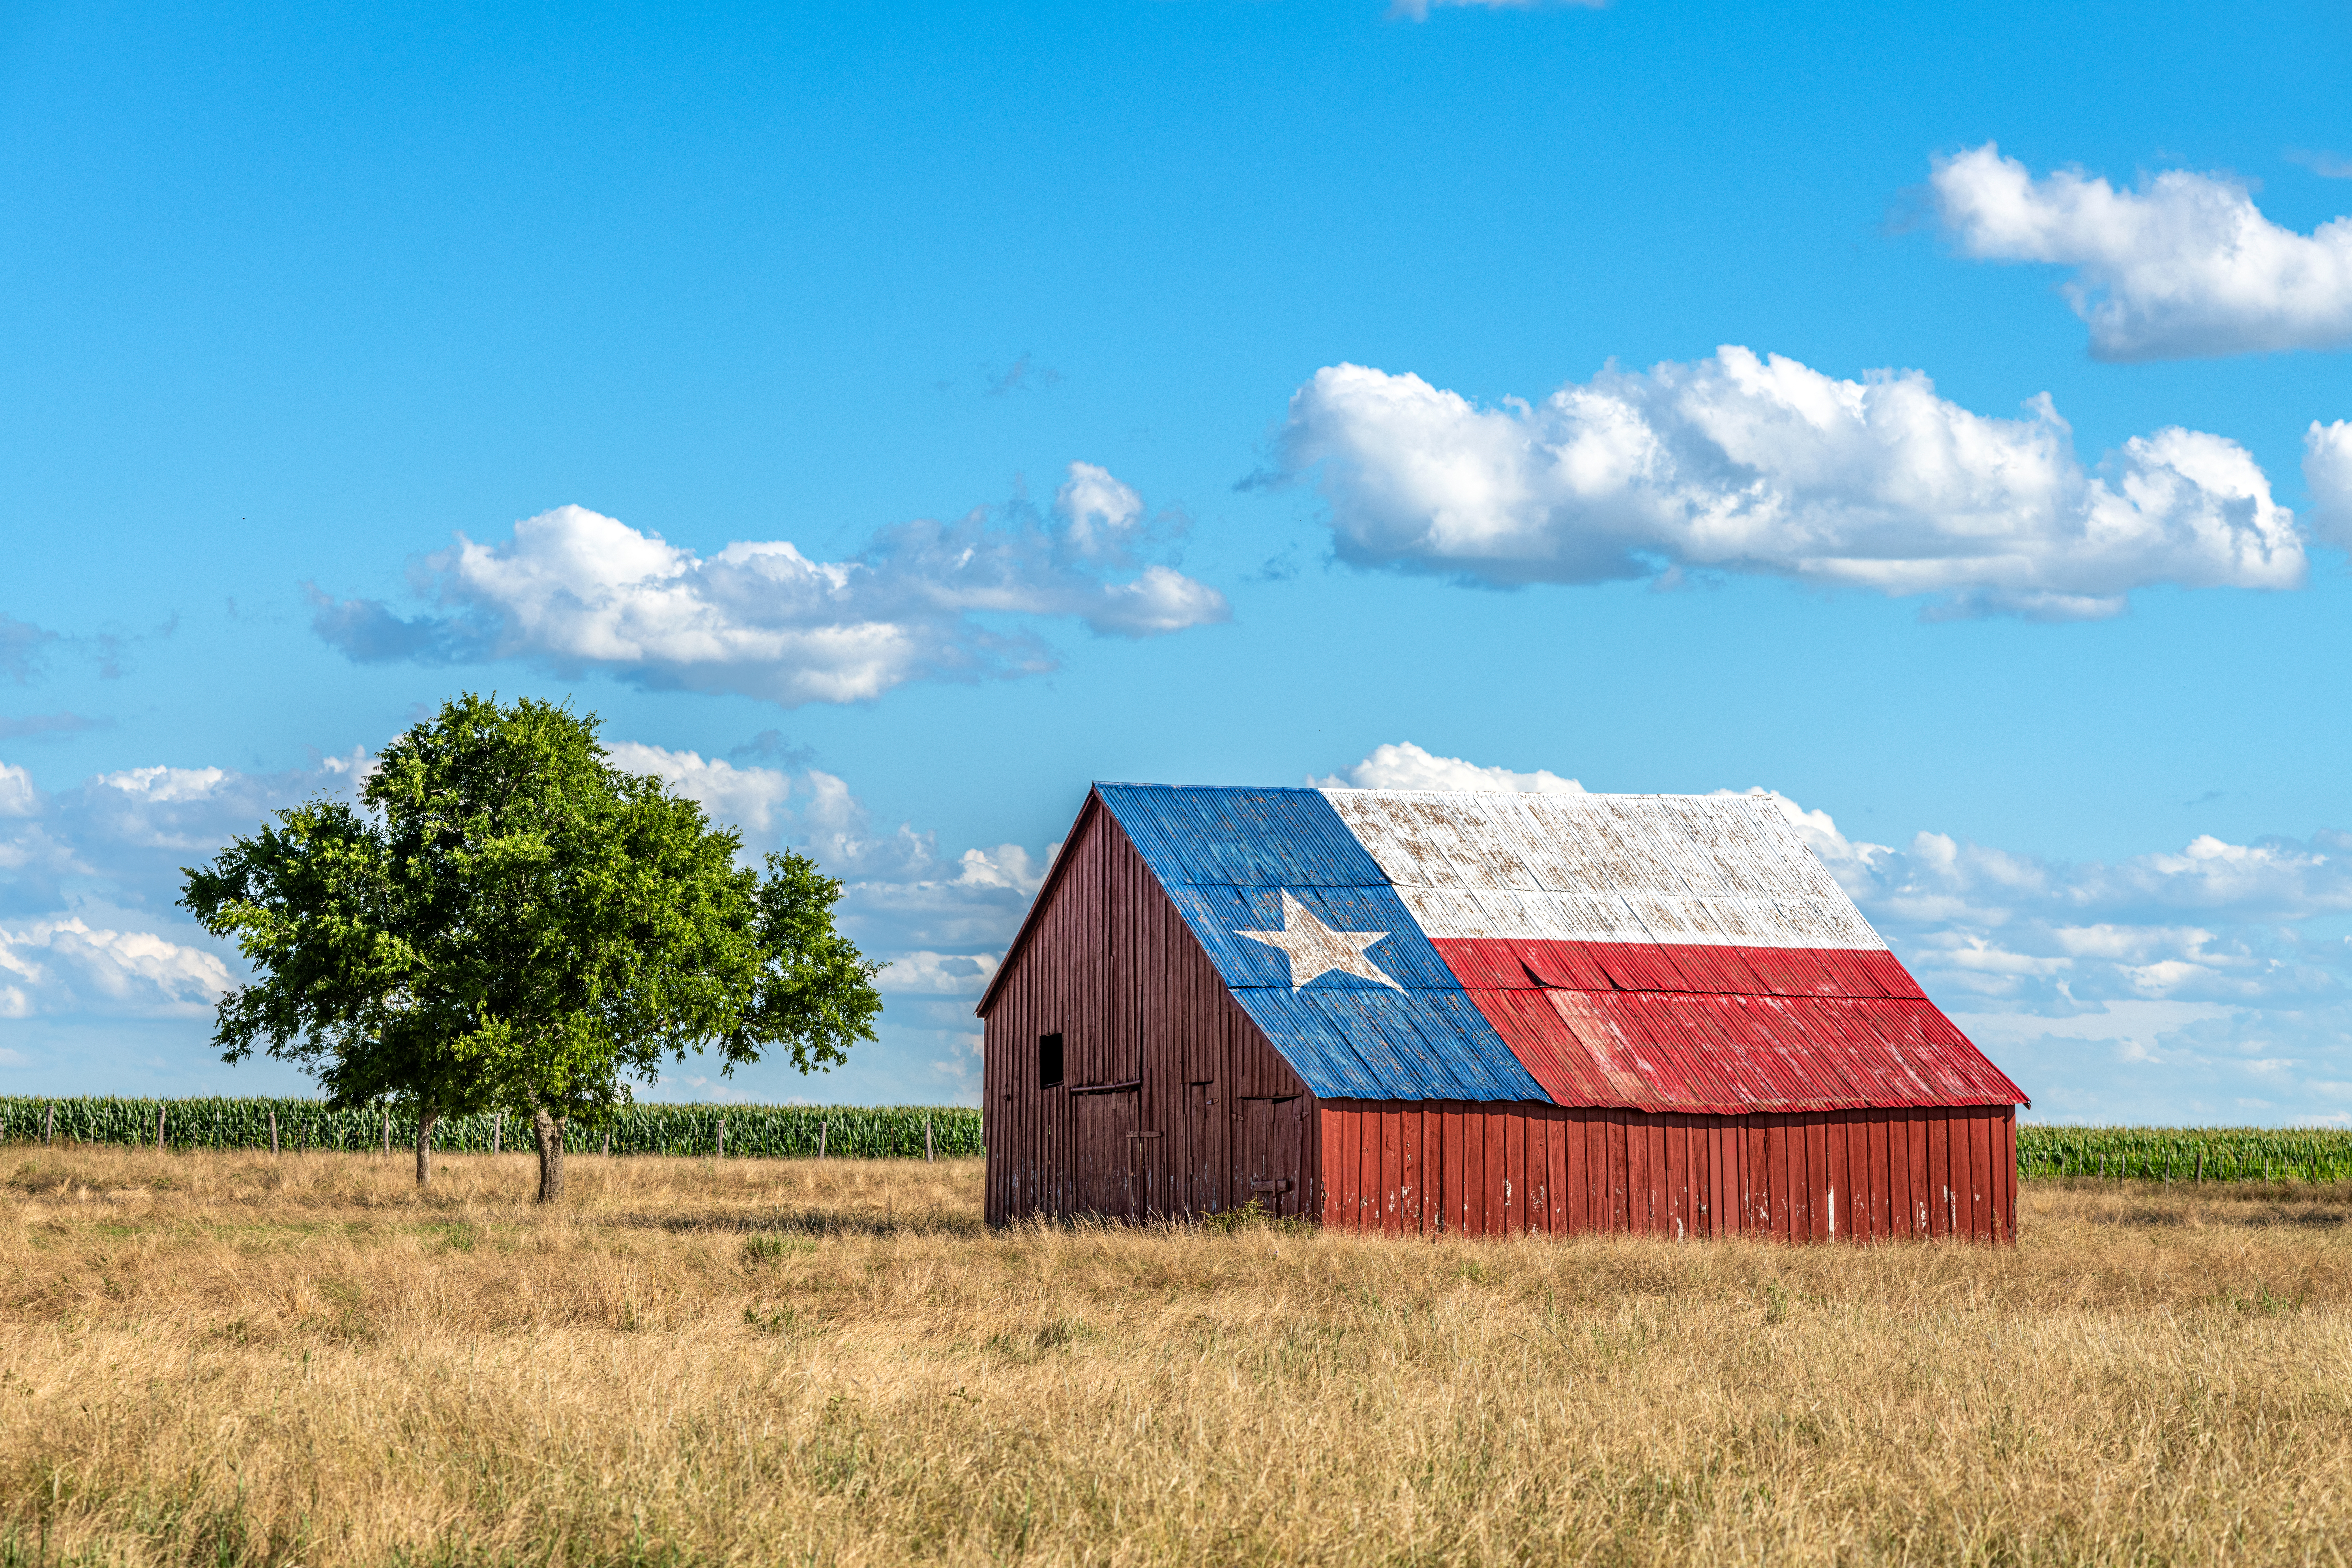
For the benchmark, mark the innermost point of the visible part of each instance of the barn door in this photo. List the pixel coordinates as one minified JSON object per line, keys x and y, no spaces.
{"x":1272,"y":1156}
{"x":1107,"y":1155}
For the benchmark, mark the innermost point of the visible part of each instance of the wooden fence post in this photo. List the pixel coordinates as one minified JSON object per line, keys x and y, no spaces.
{"x":723,"y":1138}
{"x":387,"y":1131}
{"x":608,"y":1142}
{"x":50,"y":1127}
{"x":498,"y":1129}
{"x":159,"y":1129}
{"x":928,"y":1158}
{"x":820,"y":1127}
{"x":273,"y":1135}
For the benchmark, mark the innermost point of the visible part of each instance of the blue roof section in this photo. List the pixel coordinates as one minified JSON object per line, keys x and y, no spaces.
{"x":1226,"y":856}
{"x":1241,"y":837}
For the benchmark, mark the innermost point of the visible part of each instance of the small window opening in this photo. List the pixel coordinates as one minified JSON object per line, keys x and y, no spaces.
{"x":1049,"y":1061}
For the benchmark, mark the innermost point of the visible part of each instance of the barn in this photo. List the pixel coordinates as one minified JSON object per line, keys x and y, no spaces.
{"x":1415,"y":1012}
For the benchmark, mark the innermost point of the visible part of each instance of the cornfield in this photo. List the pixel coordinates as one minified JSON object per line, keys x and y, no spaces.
{"x":896,"y":1132}
{"x":867,"y":1132}
{"x":2185,"y":1154}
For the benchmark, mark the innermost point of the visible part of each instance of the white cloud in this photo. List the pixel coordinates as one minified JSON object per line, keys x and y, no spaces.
{"x":165,"y":785}
{"x":749,"y":797}
{"x":2212,"y":922}
{"x":122,"y":837}
{"x":939,"y":973}
{"x":2327,"y":476}
{"x":576,"y":590}
{"x":65,"y":965}
{"x":1403,"y":765}
{"x":1100,"y":512}
{"x":18,"y":797}
{"x":88,"y":874}
{"x":1738,"y":463}
{"x":2184,"y":265}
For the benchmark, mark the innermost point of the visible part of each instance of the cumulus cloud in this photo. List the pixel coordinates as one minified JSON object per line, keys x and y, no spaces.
{"x":18,"y":797}
{"x":939,"y":921}
{"x":2212,"y":922}
{"x":924,"y":973}
{"x":749,"y":797}
{"x":89,"y":873}
{"x":2202,"y":984}
{"x":66,"y":964}
{"x":575,"y":589}
{"x":2183,"y":265}
{"x":1741,"y":463}
{"x":121,"y":837}
{"x":1403,"y":765}
{"x":2327,"y":477}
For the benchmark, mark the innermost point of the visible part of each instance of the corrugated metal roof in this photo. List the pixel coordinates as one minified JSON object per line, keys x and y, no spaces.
{"x":1658,"y":952}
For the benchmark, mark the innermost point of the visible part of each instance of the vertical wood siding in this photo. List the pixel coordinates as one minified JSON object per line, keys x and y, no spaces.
{"x":1111,"y":967}
{"x":1429,"y":1167}
{"x":1173,"y":1103}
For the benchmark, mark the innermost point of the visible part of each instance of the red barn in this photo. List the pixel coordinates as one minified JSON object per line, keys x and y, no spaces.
{"x":1416,"y":1011}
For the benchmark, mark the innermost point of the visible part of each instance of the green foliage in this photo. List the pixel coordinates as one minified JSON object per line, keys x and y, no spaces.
{"x":775,"y":1132}
{"x":2173,"y":1153}
{"x":510,"y":922}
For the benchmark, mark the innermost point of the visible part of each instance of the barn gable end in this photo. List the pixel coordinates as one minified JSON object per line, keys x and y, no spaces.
{"x":1106,"y":962}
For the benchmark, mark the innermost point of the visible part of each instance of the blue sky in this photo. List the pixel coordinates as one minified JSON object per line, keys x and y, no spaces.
{"x":1134,"y":387}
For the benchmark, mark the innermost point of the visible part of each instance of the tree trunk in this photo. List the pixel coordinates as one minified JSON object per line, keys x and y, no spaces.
{"x":548,"y":1132}
{"x":424,"y":1121}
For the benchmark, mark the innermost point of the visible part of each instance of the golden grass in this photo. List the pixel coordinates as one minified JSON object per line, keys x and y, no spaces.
{"x":222,"y":1357}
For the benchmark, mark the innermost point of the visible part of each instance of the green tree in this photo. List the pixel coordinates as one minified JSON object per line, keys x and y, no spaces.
{"x":509,"y":921}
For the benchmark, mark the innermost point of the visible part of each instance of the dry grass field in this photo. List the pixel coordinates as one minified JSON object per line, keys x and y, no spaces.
{"x":225,"y":1357}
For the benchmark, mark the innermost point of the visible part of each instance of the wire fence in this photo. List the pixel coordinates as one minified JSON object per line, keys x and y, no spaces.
{"x":2186,"y":1153}
{"x":790,"y":1131}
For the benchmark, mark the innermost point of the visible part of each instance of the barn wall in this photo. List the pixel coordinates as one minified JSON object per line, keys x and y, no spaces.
{"x":1429,"y":1167}
{"x":1215,"y":1115}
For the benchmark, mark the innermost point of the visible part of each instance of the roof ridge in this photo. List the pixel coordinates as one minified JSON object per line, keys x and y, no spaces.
{"x":1751,"y":793}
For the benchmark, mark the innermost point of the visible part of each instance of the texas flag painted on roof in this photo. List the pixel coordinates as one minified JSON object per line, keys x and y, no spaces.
{"x":1655,"y":952}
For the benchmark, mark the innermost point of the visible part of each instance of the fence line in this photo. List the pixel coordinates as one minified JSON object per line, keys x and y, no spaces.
{"x":855,"y":1132}
{"x":915,"y":1132}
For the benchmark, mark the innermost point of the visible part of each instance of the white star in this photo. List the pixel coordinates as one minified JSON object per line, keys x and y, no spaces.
{"x":1316,"y":950}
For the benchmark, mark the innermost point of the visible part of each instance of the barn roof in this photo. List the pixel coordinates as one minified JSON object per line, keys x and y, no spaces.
{"x":1655,"y":952}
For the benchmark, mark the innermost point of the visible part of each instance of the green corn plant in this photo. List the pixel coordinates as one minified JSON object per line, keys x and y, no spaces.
{"x":2186,"y":1153}
{"x":767,"y":1131}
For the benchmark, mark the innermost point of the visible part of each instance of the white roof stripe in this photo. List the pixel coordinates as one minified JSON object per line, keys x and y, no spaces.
{"x":1680,"y":869}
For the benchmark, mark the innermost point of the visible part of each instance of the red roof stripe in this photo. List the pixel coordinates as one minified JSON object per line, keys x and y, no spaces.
{"x":1841,"y":1043}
